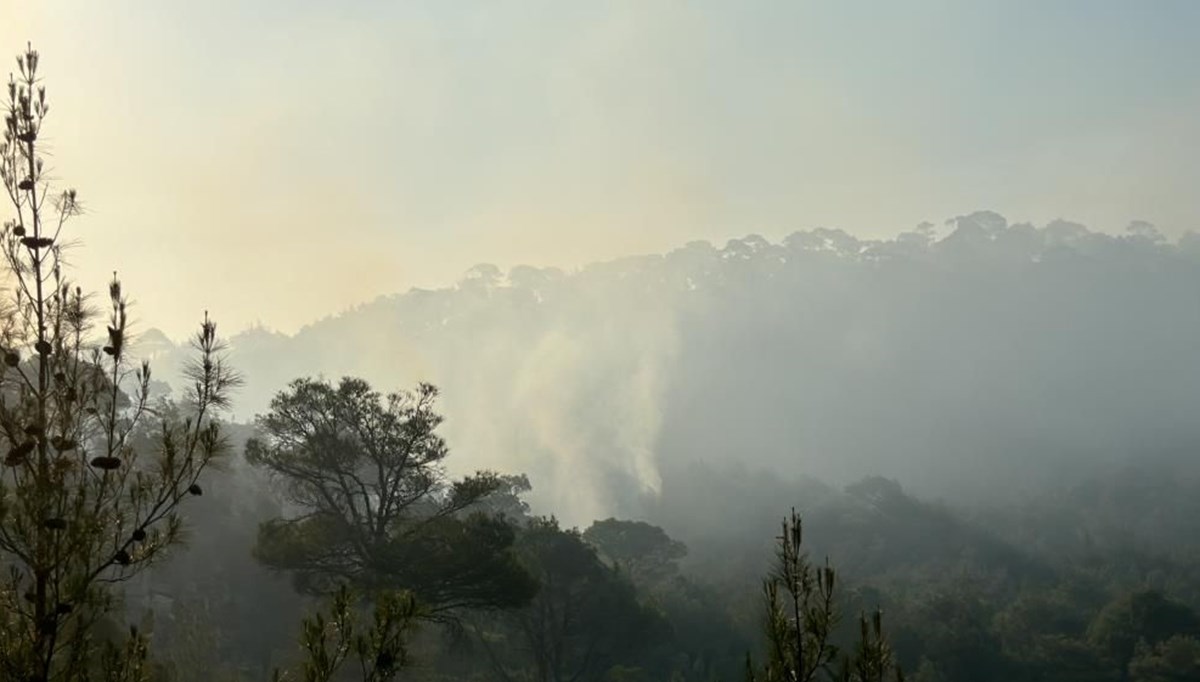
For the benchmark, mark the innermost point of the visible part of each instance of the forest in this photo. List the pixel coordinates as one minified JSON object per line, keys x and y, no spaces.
{"x":962,"y":454}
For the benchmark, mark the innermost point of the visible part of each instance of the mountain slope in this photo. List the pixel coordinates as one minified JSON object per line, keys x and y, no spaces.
{"x":989,"y":360}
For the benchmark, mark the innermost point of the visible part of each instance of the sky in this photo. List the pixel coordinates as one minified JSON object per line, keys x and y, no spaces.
{"x":277,"y":162}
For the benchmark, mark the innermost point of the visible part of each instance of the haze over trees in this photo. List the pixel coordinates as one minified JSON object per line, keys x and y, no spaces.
{"x":988,"y":435}
{"x":1037,"y":380}
{"x":952,"y":360}
{"x":982,"y":365}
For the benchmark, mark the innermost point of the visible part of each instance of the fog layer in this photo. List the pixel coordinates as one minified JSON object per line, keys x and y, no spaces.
{"x":991,"y":360}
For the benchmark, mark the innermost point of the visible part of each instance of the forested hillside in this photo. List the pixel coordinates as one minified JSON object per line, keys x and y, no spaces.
{"x":967,"y":453}
{"x":987,"y":360}
{"x":988,"y":433}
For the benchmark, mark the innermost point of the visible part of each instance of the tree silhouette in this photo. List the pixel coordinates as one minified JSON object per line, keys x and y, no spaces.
{"x":585,"y":619}
{"x":330,"y":639}
{"x":378,"y":511}
{"x":800,"y":621}
{"x":642,"y":550}
{"x":81,"y":507}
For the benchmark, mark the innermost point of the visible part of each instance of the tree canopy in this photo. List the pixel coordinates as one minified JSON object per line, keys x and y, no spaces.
{"x":374,"y":505}
{"x":585,"y":619}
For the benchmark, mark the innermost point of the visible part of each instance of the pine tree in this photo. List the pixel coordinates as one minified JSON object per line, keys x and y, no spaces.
{"x":81,"y":508}
{"x":801,"y":615}
{"x":330,"y":639}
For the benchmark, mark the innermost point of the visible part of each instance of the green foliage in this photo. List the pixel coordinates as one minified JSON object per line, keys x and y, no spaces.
{"x":955,"y":631}
{"x":703,"y":642}
{"x":378,"y":509}
{"x":1039,"y":633}
{"x":584,"y":620}
{"x":329,"y":640}
{"x":800,"y":621}
{"x":872,"y":660}
{"x":1141,"y":617}
{"x":127,"y":661}
{"x":1176,"y":659}
{"x":82,"y":506}
{"x":644,"y":551}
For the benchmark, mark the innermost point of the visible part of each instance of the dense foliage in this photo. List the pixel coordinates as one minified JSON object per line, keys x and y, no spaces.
{"x":374,"y":507}
{"x":961,"y":600}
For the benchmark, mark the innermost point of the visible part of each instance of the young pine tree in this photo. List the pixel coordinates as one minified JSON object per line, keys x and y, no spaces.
{"x":800,"y":620}
{"x":341,"y":644}
{"x":80,"y":507}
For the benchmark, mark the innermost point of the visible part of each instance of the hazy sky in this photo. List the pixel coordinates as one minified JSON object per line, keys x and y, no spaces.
{"x":279,"y":161}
